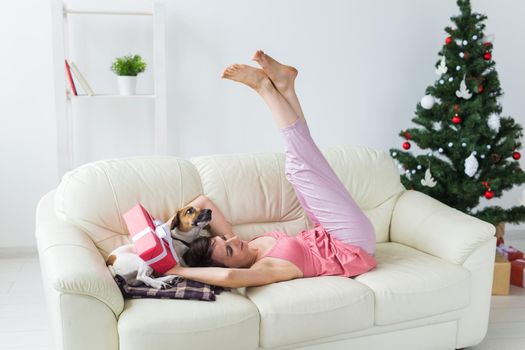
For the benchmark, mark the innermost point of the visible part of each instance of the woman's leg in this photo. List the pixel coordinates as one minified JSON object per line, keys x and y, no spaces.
{"x":282,"y":77}
{"x":320,"y":192}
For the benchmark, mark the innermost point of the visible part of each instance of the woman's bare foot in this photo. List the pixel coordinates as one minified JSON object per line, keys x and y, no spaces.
{"x":282,"y":76}
{"x":255,"y":78}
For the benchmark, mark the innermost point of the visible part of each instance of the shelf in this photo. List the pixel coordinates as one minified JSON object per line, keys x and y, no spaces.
{"x":105,"y":96}
{"x":109,"y":12}
{"x":140,"y":106}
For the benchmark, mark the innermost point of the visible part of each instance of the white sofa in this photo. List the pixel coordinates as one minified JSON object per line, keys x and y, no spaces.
{"x":430,"y":290}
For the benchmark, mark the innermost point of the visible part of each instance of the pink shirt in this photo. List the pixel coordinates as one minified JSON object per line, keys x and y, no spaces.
{"x":317,"y":253}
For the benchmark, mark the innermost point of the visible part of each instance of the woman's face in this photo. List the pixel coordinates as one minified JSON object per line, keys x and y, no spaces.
{"x":232,"y":252}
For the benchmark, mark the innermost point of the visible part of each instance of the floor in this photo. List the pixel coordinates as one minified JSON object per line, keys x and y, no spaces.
{"x":24,"y":322}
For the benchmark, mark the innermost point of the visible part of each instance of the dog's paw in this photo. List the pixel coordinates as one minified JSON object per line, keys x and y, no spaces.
{"x":158,"y":284}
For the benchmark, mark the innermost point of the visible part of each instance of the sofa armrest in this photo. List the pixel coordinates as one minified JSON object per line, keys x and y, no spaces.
{"x":426,"y":224}
{"x":70,"y":261}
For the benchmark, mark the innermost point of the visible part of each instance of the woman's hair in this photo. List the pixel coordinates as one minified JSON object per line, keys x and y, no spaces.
{"x":199,"y":253}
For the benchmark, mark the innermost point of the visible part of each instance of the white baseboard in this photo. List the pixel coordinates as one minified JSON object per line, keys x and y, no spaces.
{"x":18,"y":252}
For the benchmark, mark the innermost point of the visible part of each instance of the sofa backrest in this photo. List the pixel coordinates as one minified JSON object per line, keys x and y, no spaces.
{"x":249,"y":188}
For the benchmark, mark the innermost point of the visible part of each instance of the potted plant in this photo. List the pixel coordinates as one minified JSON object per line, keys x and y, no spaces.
{"x":127,"y":68}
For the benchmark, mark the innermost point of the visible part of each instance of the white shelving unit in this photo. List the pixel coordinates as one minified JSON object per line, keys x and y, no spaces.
{"x":64,"y":100}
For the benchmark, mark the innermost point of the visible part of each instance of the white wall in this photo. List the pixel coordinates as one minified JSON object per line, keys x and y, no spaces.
{"x":363,"y":66}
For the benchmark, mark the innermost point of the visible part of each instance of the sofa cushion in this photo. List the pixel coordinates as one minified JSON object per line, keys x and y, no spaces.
{"x":95,"y":195}
{"x":308,"y":308}
{"x":229,"y":322}
{"x":252,"y":190}
{"x":409,"y":284}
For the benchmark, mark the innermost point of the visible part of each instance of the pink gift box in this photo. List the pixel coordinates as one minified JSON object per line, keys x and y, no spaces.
{"x":154,"y":250}
{"x":517,"y":272}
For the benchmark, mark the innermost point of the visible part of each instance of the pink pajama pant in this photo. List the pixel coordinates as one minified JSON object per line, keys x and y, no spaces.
{"x":322,"y":195}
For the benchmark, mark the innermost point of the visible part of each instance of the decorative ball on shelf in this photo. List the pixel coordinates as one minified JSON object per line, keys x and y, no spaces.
{"x":448,"y":40}
{"x":487,"y":56}
{"x":406,"y":145}
{"x":427,"y":102}
{"x":489,"y":194}
{"x":516,"y":155}
{"x":456,"y":119}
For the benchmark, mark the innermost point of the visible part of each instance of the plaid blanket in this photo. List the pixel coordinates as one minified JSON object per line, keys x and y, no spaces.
{"x":180,"y":288}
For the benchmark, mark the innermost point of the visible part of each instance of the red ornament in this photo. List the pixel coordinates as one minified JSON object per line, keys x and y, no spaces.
{"x":456,"y":107}
{"x":448,"y":40}
{"x":487,"y":56}
{"x":406,"y":145}
{"x":488,"y":193}
{"x":456,"y":119}
{"x":488,"y":43}
{"x":480,"y":88}
{"x":516,"y":155}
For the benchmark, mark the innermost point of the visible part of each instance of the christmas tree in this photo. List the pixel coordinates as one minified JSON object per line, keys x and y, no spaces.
{"x":469,"y":149}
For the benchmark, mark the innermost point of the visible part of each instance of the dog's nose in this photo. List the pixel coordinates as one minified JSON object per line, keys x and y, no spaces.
{"x":205,"y":214}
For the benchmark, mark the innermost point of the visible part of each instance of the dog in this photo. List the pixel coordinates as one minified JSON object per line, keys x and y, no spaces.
{"x":185,"y":226}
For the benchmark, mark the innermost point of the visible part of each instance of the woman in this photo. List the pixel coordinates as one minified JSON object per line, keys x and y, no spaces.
{"x":342,"y":242}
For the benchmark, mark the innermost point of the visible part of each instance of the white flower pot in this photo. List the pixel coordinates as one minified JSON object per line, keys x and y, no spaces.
{"x":127,"y":85}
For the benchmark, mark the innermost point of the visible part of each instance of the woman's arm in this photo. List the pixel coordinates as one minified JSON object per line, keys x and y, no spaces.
{"x":231,"y":277}
{"x":218,"y":224}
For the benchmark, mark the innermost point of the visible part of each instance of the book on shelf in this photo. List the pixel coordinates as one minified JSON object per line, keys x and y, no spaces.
{"x":70,"y":79}
{"x":81,"y":79}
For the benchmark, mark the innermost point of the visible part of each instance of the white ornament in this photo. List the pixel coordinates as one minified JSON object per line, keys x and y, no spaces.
{"x":442,"y":81}
{"x":458,"y":68}
{"x":465,"y":43}
{"x":463,"y":92}
{"x":428,"y":180}
{"x":413,"y":171}
{"x":450,"y":144}
{"x":471,"y":165}
{"x":461,"y":54}
{"x":450,"y":79}
{"x":482,"y":156}
{"x":474,"y":37}
{"x":458,"y":42}
{"x":437,"y":126}
{"x":442,"y":68}
{"x":464,"y":144}
{"x":427,"y":102}
{"x":488,"y":147}
{"x":394,"y":154}
{"x":440,"y":150}
{"x":494,"y":122}
{"x":418,"y":167}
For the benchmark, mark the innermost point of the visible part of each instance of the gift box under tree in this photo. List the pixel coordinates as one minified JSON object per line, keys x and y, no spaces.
{"x":517,"y":272}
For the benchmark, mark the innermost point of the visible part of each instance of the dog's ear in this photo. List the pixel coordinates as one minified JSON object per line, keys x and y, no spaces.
{"x":175,"y":221}
{"x":111,"y":259}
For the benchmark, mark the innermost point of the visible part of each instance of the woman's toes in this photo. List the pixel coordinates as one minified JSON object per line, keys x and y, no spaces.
{"x":257,"y":55}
